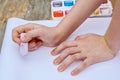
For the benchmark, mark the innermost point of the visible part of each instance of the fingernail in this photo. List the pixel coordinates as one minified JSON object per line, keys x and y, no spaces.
{"x":56,"y":62}
{"x":60,"y":69}
{"x":23,"y":38}
{"x":53,"y":52}
{"x":74,"y":72}
{"x":35,"y":48}
{"x":33,"y":45}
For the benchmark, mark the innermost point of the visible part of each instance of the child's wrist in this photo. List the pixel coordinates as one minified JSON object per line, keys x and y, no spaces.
{"x":59,"y":36}
{"x":111,"y":45}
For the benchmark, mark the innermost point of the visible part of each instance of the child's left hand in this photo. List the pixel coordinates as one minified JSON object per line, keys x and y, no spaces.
{"x":91,"y":48}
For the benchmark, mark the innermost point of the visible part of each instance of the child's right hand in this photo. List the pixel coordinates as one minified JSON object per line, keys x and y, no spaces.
{"x":36,"y":35}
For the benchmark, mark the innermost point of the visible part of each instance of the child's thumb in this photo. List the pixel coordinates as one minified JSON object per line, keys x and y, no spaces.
{"x":30,"y":35}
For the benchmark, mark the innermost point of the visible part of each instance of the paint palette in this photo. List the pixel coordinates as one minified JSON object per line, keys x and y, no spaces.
{"x":60,"y":8}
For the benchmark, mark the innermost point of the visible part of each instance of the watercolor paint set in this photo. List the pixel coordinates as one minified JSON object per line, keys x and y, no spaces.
{"x":60,"y":8}
{"x":104,"y":10}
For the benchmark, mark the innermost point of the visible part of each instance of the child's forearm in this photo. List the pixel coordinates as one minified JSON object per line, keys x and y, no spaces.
{"x":81,"y":10}
{"x":113,"y":33}
{"x":113,"y":3}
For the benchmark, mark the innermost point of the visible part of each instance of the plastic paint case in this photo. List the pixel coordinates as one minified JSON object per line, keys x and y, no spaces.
{"x":105,"y":10}
{"x":60,"y":8}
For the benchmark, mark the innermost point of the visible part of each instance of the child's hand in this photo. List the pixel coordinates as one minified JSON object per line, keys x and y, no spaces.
{"x":90,"y":48}
{"x":36,"y":35}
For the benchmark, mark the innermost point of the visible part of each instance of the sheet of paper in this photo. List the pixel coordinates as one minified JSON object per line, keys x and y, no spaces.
{"x":38,"y":65}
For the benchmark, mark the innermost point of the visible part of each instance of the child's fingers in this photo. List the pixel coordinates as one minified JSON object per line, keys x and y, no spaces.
{"x":30,"y":26}
{"x":64,"y":45}
{"x":16,"y":34}
{"x":69,"y":60}
{"x":82,"y":66}
{"x":65,"y":53}
{"x":17,"y":40}
{"x":80,"y":37}
{"x":24,"y":29}
{"x":31,"y":45}
{"x":15,"y":37}
{"x":30,"y":35}
{"x":34,"y":44}
{"x":37,"y":46}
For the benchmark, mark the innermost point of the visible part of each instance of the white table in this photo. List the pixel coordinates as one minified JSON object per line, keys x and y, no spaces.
{"x":38,"y":64}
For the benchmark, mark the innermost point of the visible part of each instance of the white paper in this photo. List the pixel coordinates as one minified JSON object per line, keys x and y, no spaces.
{"x":38,"y":65}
